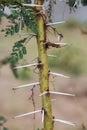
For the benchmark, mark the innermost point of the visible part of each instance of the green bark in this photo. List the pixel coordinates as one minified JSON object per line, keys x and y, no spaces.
{"x":44,"y":71}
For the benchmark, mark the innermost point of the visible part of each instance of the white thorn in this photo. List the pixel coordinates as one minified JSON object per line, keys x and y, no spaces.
{"x":43,"y":93}
{"x":42,"y":116}
{"x":23,"y":66}
{"x":55,"y":23}
{"x":63,"y":121}
{"x":27,"y":114}
{"x":32,"y":5}
{"x":54,"y":56}
{"x":57,"y":74}
{"x":59,"y":93}
{"x":26,"y":85}
{"x":61,"y":44}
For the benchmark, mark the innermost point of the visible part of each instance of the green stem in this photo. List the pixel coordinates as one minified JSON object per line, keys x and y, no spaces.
{"x":44,"y":72}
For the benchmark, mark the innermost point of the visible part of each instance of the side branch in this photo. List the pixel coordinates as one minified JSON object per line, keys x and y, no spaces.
{"x":57,"y":45}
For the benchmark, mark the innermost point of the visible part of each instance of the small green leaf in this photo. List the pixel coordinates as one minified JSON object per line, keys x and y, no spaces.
{"x":16,"y":28}
{"x":24,"y":50}
{"x":20,"y":54}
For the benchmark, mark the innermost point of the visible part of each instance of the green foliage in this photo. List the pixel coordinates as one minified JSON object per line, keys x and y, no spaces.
{"x":72,"y":24}
{"x":29,"y":19}
{"x":51,"y":4}
{"x":1,"y":11}
{"x":22,"y":74}
{"x":11,"y":30}
{"x":5,"y":128}
{"x":38,"y":129}
{"x":67,"y":60}
{"x":1,"y":15}
{"x":2,"y":118}
{"x":20,"y":14}
{"x":14,"y":71}
{"x":18,"y":51}
{"x":84,"y":2}
{"x":71,"y":3}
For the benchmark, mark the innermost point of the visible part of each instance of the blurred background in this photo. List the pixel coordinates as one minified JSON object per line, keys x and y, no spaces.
{"x":70,"y":60}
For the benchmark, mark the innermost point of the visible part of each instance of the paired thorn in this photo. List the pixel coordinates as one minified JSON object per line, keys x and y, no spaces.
{"x":58,"y":74}
{"x":30,"y":113}
{"x":59,"y":93}
{"x":42,"y":112}
{"x":30,"y":65}
{"x":64,"y":122}
{"x":26,"y":85}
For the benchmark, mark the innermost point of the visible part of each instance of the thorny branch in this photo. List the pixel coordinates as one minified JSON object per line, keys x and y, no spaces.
{"x":32,"y":98}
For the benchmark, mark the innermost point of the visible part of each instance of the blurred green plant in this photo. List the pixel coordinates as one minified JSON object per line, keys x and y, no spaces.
{"x":23,"y":74}
{"x":18,"y":51}
{"x":84,"y":2}
{"x":38,"y":129}
{"x":71,"y":23}
{"x":2,"y":121}
{"x":68,"y":61}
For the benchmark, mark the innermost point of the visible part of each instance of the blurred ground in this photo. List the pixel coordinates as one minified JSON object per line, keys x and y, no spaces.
{"x":13,"y":103}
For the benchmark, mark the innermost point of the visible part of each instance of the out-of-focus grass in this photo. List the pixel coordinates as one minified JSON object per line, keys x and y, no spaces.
{"x":71,"y":59}
{"x":68,"y":60}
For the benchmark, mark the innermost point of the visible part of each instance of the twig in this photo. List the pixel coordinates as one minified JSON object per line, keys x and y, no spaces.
{"x":32,"y":98}
{"x":57,"y":45}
